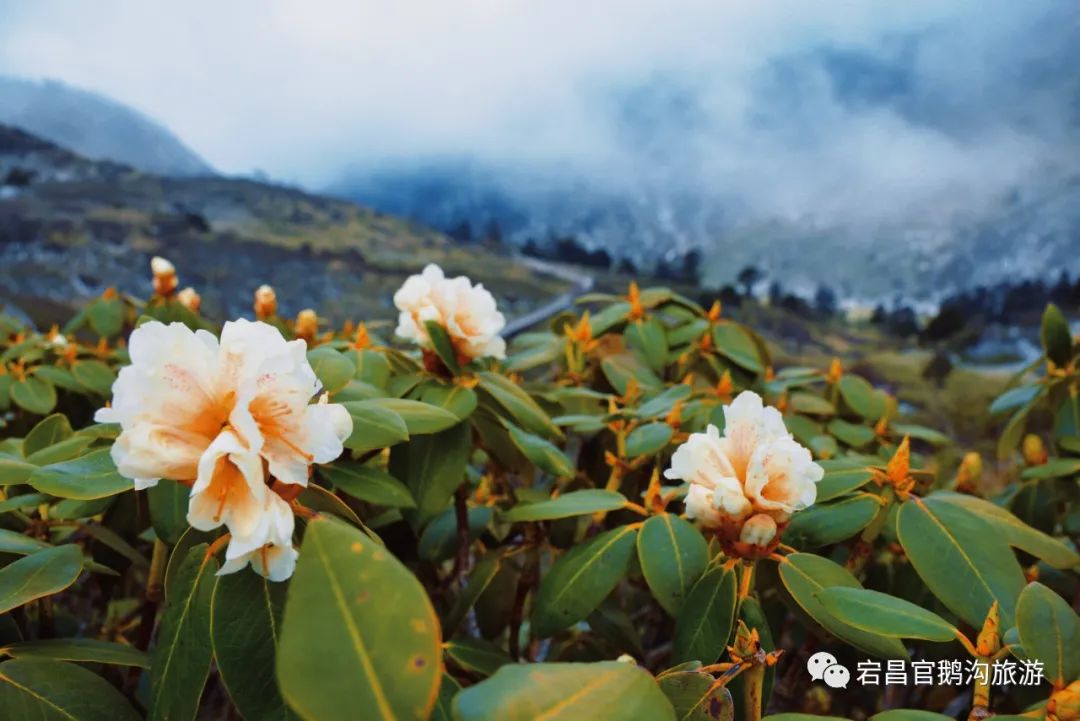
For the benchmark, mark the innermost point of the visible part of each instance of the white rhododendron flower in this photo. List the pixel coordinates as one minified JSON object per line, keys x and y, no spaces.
{"x":220,"y":415}
{"x":466,"y":311}
{"x":269,"y":551}
{"x":750,"y":479}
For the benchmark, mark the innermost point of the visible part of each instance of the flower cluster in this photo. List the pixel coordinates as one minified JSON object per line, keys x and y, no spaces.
{"x":466,"y":311}
{"x":226,"y":416}
{"x":746,"y":483}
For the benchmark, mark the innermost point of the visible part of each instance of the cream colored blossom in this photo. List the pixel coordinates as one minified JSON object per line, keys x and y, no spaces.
{"x":265,"y":302}
{"x":467,"y":312}
{"x":164,"y":274}
{"x":269,"y":550}
{"x":190,"y":299}
{"x":755,"y":467}
{"x":759,"y":530}
{"x":219,"y":414}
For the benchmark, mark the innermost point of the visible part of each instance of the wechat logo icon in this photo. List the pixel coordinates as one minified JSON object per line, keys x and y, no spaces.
{"x":824,"y":667}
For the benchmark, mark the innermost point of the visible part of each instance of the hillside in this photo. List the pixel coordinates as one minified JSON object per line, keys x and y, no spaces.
{"x":95,"y":126}
{"x":70,"y":227}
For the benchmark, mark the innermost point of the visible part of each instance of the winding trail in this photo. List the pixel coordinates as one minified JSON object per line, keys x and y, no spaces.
{"x":582,"y":283}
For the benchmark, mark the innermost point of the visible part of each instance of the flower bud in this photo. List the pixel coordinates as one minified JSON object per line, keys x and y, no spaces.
{"x":164,"y":276}
{"x":307,"y":325}
{"x":265,"y":302}
{"x":1034,"y":450}
{"x":970,"y":471}
{"x":759,"y":530}
{"x":1064,"y":704}
{"x":189,"y":299}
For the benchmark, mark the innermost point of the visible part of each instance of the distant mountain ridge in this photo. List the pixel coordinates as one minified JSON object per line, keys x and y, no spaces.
{"x":96,"y":127}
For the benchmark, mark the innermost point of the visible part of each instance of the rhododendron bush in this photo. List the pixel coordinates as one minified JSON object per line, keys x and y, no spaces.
{"x":632,"y":512}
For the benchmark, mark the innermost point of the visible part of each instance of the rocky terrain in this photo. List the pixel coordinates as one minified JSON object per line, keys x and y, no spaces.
{"x":71,"y":227}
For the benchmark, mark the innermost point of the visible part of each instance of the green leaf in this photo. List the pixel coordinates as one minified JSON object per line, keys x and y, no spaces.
{"x":648,"y":439}
{"x":477,"y":655}
{"x":34,"y":395}
{"x":85,"y":650}
{"x":621,"y":368}
{"x":836,"y":483}
{"x":905,"y":714}
{"x":106,"y":316}
{"x":1049,"y":630}
{"x":703,"y":626}
{"x":333,"y":369}
{"x":1014,"y":398}
{"x":38,"y":689}
{"x":65,"y":450}
{"x":47,"y":432}
{"x":480,"y":578}
{"x":22,"y":502}
{"x":368,"y":483}
{"x":921,"y":433}
{"x":649,"y":338}
{"x":19,"y":544}
{"x":574,"y":503}
{"x":805,"y":575}
{"x":356,"y":622}
{"x":580,"y":579}
{"x":801,"y":717}
{"x":440,"y":341}
{"x":420,"y":418}
{"x":861,"y":397}
{"x":673,"y":555}
{"x":94,"y":376}
{"x":1053,"y":468}
{"x":14,"y":471}
{"x":825,"y":524}
{"x":432,"y":466}
{"x":811,"y":404}
{"x":444,"y":704}
{"x":546,"y":456}
{"x":519,"y":404}
{"x":1055,"y":336}
{"x":42,"y":573}
{"x":852,"y":434}
{"x":374,"y":427}
{"x":168,"y":502}
{"x":459,"y":400}
{"x":607,"y":691}
{"x":961,"y":559}
{"x":884,"y":614}
{"x":59,"y":377}
{"x":245,"y":621}
{"x":371,"y":367}
{"x":180,"y":660}
{"x":439,"y":539}
{"x":86,"y":478}
{"x":1015,"y":532}
{"x":734,"y":343}
{"x":696,"y":697}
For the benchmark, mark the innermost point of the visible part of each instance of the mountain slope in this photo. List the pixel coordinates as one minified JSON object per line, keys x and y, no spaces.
{"x":95,"y":126}
{"x":70,"y":227}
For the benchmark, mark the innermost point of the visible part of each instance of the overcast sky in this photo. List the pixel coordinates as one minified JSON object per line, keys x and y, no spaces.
{"x":787,"y":105}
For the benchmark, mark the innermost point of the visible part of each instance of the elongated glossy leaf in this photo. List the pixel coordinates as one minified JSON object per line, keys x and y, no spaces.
{"x":374,"y":638}
{"x":1015,"y":532}
{"x":91,"y":476}
{"x":884,"y":614}
{"x":545,"y":455}
{"x":440,"y":341}
{"x":42,"y":573}
{"x":607,"y":691}
{"x":168,"y":502}
{"x":622,"y":368}
{"x":459,"y":400}
{"x":648,"y":439}
{"x":94,"y":376}
{"x":477,"y":655}
{"x":87,"y":650}
{"x":420,"y":418}
{"x":574,"y":503}
{"x":649,"y":339}
{"x":48,"y":431}
{"x":440,"y":538}
{"x":1056,"y":338}
{"x":34,"y":394}
{"x":1049,"y":630}
{"x":861,"y":397}
{"x":580,"y":579}
{"x":695,"y":697}
{"x":1054,"y":468}
{"x":479,"y":579}
{"x":824,"y":524}
{"x":704,"y":623}
{"x":24,"y":501}
{"x":734,"y":343}
{"x":180,"y":660}
{"x":519,"y":404}
{"x":432,"y":467}
{"x":368,"y":483}
{"x":444,"y":703}
{"x":673,"y":555}
{"x":805,"y":575}
{"x":19,"y":543}
{"x":14,"y":471}
{"x":64,"y":450}
{"x":245,"y":623}
{"x":836,"y":483}
{"x":38,"y":689}
{"x":333,"y":369}
{"x":374,"y":427}
{"x":961,"y":559}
